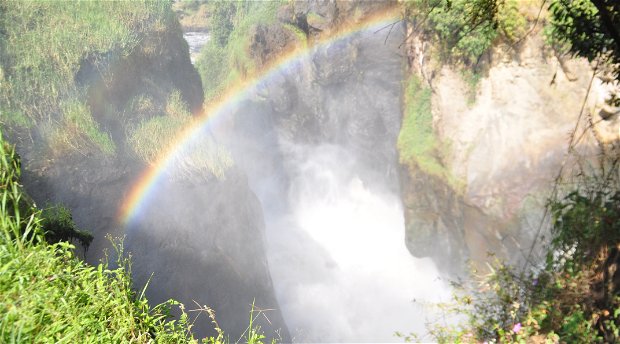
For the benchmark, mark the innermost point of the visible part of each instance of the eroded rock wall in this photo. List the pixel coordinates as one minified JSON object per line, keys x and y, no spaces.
{"x":506,"y":147}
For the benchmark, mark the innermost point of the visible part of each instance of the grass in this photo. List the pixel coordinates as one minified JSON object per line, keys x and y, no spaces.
{"x":48,"y":295}
{"x":155,"y":135}
{"x":299,"y":33}
{"x":42,"y":49}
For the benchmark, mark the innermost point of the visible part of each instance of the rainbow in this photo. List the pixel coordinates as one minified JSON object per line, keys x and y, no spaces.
{"x":142,"y":191}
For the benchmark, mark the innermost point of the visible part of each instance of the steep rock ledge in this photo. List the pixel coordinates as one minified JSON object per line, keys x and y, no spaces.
{"x":504,"y":149}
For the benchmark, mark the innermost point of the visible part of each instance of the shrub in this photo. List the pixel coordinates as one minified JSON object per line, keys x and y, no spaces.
{"x":574,"y":297}
{"x":58,"y":225}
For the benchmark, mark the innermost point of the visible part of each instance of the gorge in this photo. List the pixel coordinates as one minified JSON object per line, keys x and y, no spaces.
{"x":336,"y":182}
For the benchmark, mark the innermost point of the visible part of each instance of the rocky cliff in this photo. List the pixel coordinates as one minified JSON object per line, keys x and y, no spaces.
{"x":504,"y":147}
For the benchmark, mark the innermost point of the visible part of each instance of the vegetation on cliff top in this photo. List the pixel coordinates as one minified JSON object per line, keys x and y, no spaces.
{"x":226,"y":58}
{"x":42,"y":48}
{"x":59,"y":61}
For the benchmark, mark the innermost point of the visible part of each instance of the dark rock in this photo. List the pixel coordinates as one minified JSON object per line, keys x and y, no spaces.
{"x":268,"y":41}
{"x":210,"y":253}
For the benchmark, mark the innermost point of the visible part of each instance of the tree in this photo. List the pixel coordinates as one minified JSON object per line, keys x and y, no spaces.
{"x":589,"y":28}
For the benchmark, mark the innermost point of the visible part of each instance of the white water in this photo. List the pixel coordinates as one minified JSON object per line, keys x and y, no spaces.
{"x":339,"y":263}
{"x":195,"y":41}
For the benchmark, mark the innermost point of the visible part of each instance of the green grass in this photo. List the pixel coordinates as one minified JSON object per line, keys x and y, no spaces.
{"x":43,"y":46}
{"x":153,"y":136}
{"x":48,"y":295}
{"x":79,"y":124}
{"x":299,"y":34}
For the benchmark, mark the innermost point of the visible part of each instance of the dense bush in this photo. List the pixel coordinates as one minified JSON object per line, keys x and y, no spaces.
{"x":465,"y":30}
{"x":574,"y":296}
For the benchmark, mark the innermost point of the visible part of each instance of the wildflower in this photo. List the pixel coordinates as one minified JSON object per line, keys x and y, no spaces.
{"x":516,"y":328}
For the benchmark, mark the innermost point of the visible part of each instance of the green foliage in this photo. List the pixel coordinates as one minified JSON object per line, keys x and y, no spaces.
{"x":223,"y":14}
{"x":417,"y":144}
{"x":416,"y":140}
{"x":214,"y":78}
{"x":575,"y":297}
{"x":299,"y":33}
{"x":58,"y":225}
{"x":48,"y":295}
{"x":585,"y":221}
{"x":590,"y":29}
{"x":79,"y":125}
{"x":176,"y":106}
{"x":465,"y":30}
{"x":511,"y":23}
{"x":155,"y":136}
{"x":223,"y":61}
{"x":42,"y":48}
{"x":19,"y":221}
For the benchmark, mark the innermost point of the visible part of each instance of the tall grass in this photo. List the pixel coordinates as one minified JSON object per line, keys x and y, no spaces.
{"x":48,"y":295}
{"x":221,"y":64}
{"x":42,"y":48}
{"x":154,"y":136}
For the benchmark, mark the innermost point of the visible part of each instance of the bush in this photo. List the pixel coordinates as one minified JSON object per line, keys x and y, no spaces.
{"x":573,"y":297}
{"x":465,"y":30}
{"x":57,"y":225}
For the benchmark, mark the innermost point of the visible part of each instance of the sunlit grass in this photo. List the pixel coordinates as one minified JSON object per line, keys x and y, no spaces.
{"x":156,"y":136}
{"x":43,"y":46}
{"x":48,"y":295}
{"x":221,"y":66}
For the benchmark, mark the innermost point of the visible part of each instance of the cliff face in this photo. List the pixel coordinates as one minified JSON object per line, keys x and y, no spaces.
{"x":505,"y":148}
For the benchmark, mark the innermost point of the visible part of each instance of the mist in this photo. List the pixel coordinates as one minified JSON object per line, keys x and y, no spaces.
{"x":339,"y":263}
{"x":308,"y":209}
